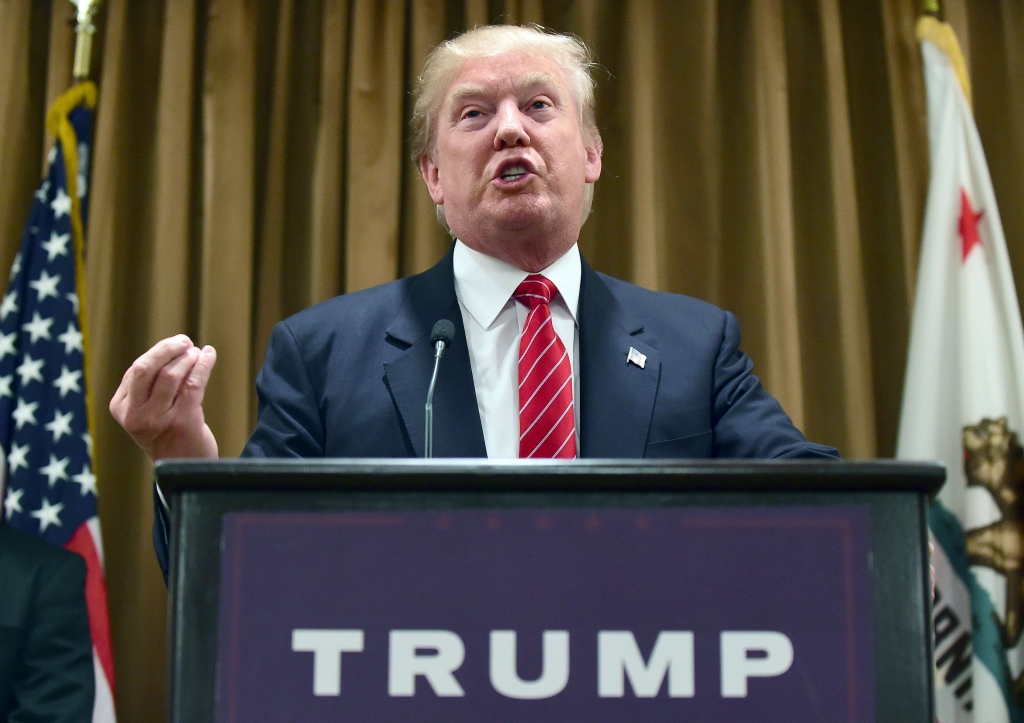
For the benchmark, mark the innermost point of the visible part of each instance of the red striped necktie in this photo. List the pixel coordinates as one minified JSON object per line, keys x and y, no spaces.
{"x":547,"y":420}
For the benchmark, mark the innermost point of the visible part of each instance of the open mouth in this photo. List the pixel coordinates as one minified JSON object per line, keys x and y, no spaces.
{"x":513,"y":173}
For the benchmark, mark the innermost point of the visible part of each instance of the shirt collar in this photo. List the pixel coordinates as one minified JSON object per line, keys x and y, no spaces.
{"x":485,"y":284}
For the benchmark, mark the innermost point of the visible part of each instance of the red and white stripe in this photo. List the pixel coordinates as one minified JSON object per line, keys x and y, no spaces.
{"x":547,"y":419}
{"x":88,"y":543}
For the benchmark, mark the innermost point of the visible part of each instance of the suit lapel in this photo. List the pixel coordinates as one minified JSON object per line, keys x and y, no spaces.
{"x":616,"y":397}
{"x":457,"y":428}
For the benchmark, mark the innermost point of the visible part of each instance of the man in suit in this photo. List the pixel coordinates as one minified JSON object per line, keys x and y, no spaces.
{"x":549,"y":359}
{"x":46,"y":667}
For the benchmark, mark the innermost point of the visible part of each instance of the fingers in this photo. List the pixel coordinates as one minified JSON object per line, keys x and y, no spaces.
{"x":168,"y":380}
{"x":191,"y":392}
{"x":138,"y":381}
{"x":144,"y":402}
{"x":134,"y":389}
{"x":159,"y":400}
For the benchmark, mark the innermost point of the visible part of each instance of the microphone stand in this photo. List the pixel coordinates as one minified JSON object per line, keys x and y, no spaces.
{"x":428,"y":426}
{"x":441,"y":336}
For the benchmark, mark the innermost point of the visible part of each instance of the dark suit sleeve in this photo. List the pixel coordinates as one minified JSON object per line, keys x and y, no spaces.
{"x":289,"y":424}
{"x":749,"y":422}
{"x":56,"y":680}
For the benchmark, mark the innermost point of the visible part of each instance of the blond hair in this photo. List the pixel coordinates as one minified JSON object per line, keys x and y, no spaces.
{"x":445,"y":61}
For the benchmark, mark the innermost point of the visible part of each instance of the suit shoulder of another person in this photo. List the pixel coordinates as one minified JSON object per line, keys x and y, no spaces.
{"x":28,"y":565}
{"x":22,"y":554}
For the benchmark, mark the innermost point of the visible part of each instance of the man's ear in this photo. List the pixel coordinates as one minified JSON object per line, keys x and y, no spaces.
{"x":432,"y":177}
{"x":593,"y":165}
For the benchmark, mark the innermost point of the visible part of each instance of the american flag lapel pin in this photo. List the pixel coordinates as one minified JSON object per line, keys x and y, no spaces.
{"x":635,"y":357}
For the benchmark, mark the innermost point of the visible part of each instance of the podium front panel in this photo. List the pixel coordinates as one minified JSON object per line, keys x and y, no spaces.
{"x":489,"y":595}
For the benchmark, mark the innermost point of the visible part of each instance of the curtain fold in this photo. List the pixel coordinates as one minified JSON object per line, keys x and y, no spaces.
{"x":231,"y":105}
{"x":121,"y":247}
{"x":327,"y":222}
{"x":377,"y":87}
{"x":24,"y":39}
{"x":252,"y":159}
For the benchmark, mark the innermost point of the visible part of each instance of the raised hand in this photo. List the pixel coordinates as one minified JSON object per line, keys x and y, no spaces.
{"x":160,"y":400}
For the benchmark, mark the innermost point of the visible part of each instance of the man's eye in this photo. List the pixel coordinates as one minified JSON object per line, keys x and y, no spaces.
{"x":471,"y":114}
{"x":538,"y":105}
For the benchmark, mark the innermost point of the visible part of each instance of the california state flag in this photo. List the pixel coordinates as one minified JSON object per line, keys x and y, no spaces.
{"x":963,"y":403}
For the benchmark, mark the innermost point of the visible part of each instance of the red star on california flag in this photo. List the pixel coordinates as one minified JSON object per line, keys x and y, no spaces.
{"x":968,"y":226}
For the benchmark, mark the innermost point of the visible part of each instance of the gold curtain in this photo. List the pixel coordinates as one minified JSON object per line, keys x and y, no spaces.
{"x":251,"y":159}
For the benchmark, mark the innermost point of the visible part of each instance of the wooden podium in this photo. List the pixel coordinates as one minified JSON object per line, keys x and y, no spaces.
{"x":471,"y":590}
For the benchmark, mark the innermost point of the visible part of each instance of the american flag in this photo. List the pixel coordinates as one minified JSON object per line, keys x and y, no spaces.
{"x":46,"y":445}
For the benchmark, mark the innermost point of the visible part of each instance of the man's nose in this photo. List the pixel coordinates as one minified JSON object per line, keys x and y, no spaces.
{"x":511,"y":131}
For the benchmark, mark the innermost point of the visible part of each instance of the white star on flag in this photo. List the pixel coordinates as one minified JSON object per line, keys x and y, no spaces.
{"x":25,"y":413}
{"x":7,"y":344}
{"x":9,"y":304}
{"x":56,"y":470}
{"x":61,"y":205}
{"x":87,"y":438}
{"x":87,"y":479}
{"x":45,"y":285}
{"x":60,"y":425}
{"x":18,"y":458}
{"x":43,"y":191}
{"x":71,"y":339}
{"x":12,"y":503}
{"x":30,"y":370}
{"x":56,"y":246}
{"x":73,"y":298}
{"x":38,"y":328}
{"x":15,"y":267}
{"x":67,"y":381}
{"x":5,"y":386}
{"x":48,"y":515}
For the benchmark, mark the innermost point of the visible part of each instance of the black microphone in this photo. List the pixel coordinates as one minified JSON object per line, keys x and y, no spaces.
{"x":441,"y":337}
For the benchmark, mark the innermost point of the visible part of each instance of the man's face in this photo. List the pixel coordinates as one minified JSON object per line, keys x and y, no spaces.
{"x":511,"y":162}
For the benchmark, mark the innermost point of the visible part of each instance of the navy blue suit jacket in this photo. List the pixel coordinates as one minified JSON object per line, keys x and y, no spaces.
{"x":348,"y":378}
{"x":46,"y":668}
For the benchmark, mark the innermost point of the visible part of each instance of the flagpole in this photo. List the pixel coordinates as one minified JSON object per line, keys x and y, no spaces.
{"x":931,"y":7}
{"x":84,"y":29}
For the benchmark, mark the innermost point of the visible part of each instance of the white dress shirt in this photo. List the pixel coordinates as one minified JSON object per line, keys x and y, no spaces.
{"x":494,"y":321}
